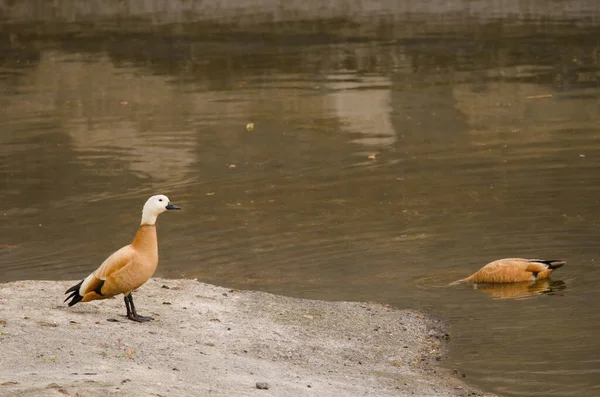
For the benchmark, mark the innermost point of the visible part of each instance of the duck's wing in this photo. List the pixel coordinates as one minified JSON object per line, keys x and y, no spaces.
{"x":506,"y":270}
{"x":98,"y":285}
{"x":93,"y":286}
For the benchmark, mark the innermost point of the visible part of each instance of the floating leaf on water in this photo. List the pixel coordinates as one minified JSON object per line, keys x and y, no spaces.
{"x":250,"y":127}
{"x":410,"y":237}
{"x":373,"y":156}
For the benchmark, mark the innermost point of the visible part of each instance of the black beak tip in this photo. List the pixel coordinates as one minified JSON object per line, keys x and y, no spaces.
{"x":172,"y":206}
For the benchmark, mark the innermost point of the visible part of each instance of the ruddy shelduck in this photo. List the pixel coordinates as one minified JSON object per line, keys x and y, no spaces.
{"x":514,"y":270}
{"x":128,"y":268}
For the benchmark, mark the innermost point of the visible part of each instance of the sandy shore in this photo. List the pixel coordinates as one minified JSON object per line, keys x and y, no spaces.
{"x":212,"y":341}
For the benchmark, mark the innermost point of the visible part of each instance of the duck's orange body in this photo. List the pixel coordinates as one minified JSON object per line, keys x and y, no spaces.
{"x":128,"y":268}
{"x":125,"y":270}
{"x":514,"y":270}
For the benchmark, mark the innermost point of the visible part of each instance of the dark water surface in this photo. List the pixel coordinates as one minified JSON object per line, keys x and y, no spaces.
{"x":375,"y":170}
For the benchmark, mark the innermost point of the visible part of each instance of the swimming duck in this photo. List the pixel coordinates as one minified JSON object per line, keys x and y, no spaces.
{"x":128,"y":268}
{"x":514,"y":270}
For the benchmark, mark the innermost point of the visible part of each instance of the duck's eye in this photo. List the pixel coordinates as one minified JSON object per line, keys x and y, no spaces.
{"x":159,"y":199}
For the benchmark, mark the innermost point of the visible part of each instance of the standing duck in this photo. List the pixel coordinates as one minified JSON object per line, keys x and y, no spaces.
{"x":128,"y":268}
{"x":514,"y":270}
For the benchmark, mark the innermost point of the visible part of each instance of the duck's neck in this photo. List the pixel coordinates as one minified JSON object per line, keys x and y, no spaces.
{"x":145,"y":240}
{"x":148,"y":218}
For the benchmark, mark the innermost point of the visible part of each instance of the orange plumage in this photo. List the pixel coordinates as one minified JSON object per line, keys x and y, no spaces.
{"x":129,"y":267}
{"x":514,"y":270}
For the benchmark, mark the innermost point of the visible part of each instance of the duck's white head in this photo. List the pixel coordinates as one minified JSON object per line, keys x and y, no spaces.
{"x":155,"y":206}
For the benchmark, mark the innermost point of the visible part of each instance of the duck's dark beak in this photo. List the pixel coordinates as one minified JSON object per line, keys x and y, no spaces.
{"x":171,"y":206}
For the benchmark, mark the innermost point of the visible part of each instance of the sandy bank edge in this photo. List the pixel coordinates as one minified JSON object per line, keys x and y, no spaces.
{"x":208,"y":340}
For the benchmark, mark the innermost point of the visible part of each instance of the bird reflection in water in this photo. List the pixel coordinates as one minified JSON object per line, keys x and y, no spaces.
{"x":521,"y":290}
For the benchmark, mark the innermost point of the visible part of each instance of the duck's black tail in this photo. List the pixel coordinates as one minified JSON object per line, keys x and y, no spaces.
{"x":75,"y":297}
{"x":551,"y":263}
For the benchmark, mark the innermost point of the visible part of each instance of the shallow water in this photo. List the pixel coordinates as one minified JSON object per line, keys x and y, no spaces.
{"x":375,"y":170}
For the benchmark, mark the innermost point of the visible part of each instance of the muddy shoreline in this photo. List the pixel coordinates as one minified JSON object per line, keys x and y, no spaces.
{"x":208,"y":340}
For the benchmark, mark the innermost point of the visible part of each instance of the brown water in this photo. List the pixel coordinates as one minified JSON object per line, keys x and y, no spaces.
{"x":375,"y":170}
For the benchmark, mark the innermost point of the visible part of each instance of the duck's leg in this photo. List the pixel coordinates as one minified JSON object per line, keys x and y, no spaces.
{"x":131,"y":313}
